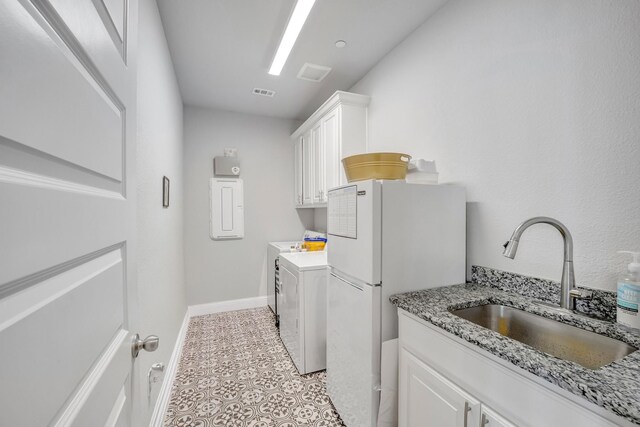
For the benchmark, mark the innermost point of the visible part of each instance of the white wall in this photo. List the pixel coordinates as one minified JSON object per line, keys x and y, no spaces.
{"x":534,"y":107}
{"x":162,"y":294}
{"x":320,"y":219}
{"x":234,"y":269}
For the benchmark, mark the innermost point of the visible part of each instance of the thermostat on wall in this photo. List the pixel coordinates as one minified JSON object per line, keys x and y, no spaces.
{"x":226,"y":166}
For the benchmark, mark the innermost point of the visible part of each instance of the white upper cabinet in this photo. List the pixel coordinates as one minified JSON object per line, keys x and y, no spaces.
{"x":319,"y":157}
{"x":334,"y":174}
{"x":336,"y":130}
{"x":308,"y":169}
{"x":298,"y":172}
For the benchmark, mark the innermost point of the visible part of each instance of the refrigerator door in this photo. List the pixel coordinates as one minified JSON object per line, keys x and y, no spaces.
{"x":353,"y":349}
{"x":354,"y":230}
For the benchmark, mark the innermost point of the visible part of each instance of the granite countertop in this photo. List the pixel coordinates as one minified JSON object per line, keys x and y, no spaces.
{"x":614,"y":387}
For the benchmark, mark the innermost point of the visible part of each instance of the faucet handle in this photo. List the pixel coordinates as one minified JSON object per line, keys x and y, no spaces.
{"x":580,"y":294}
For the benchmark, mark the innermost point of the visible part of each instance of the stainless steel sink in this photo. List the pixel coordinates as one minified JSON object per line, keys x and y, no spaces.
{"x":567,"y":342}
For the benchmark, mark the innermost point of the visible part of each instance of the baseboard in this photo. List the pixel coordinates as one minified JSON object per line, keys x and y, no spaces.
{"x":219,"y":307}
{"x":160,"y":409}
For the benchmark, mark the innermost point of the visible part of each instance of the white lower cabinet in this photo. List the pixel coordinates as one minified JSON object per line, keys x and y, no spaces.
{"x":429,"y":400}
{"x":489,"y":418}
{"x":445,"y":381}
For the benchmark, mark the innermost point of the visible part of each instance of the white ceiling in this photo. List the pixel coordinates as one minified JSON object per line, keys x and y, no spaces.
{"x":222,"y":49}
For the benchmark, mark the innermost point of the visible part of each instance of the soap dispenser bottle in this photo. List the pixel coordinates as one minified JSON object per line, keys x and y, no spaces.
{"x":629,"y":293}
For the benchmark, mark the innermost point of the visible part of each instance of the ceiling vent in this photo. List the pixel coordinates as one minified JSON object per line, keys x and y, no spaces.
{"x":313,"y":72}
{"x":263,"y":92}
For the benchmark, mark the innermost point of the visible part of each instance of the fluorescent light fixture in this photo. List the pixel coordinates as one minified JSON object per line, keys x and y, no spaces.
{"x":297,"y":20}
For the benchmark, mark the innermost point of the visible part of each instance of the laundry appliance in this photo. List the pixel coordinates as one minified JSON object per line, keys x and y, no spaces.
{"x":384,"y":237}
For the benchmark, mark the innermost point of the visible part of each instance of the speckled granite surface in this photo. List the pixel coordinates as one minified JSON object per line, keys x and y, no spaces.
{"x":615,"y":386}
{"x":602,"y":304}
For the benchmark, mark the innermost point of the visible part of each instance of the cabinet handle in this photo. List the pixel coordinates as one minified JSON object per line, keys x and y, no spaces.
{"x":467,"y":409}
{"x":484,"y":421}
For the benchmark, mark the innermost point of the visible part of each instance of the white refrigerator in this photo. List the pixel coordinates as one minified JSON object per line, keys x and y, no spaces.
{"x":385,"y":237}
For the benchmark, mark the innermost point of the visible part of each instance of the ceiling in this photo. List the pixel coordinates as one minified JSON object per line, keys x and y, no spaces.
{"x":222,"y":49}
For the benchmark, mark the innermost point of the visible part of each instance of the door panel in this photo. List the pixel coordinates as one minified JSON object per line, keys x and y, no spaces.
{"x":362,"y":201}
{"x":46,"y":337}
{"x":45,"y":116}
{"x":308,"y":169}
{"x":297,"y":180}
{"x":319,"y":163}
{"x":75,"y":223}
{"x":333,"y":162}
{"x":493,"y":419}
{"x":353,"y":349}
{"x":429,"y":400}
{"x":67,"y":145}
{"x":116,"y":10}
{"x":112,"y":384}
{"x":91,"y":21}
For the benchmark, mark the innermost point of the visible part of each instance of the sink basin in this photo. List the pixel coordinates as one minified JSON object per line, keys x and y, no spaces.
{"x":564,"y":341}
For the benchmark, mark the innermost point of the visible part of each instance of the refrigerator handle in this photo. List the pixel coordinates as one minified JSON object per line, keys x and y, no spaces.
{"x":360,"y":288}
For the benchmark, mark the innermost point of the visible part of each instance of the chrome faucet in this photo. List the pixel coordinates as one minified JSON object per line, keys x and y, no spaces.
{"x":568,"y":292}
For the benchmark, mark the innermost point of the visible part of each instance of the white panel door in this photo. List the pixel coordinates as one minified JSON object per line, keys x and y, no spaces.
{"x":353,"y":350}
{"x":491,"y":418}
{"x":333,"y":160}
{"x":297,"y":179}
{"x":355,"y":245}
{"x":317,"y":144}
{"x":426,"y":399}
{"x":67,"y":146}
{"x":308,"y":169}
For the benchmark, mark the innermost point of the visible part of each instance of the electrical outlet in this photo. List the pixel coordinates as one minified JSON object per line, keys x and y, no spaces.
{"x":155,"y":375}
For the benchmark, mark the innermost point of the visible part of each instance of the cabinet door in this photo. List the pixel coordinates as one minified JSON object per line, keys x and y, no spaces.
{"x":297,"y":179}
{"x":426,"y":399}
{"x":308,"y":169}
{"x":319,"y":164}
{"x":333,"y":160}
{"x":492,"y":419}
{"x":289,"y":315}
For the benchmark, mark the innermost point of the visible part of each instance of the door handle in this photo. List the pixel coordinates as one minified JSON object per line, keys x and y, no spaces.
{"x":348,"y":283}
{"x":150,"y":343}
{"x":467,"y":409}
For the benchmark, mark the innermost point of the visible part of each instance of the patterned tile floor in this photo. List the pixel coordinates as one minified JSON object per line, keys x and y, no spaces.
{"x":235,"y":372}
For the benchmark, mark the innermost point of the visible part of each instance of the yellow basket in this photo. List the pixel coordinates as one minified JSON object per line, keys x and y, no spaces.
{"x":376,"y":166}
{"x":314,"y":246}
